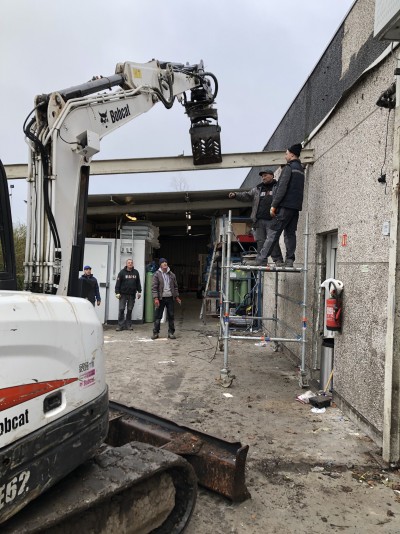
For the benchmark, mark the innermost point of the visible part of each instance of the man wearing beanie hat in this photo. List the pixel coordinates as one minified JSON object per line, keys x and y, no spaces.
{"x":164,"y":290}
{"x":287,"y":202}
{"x":261,"y":197}
{"x":90,"y":286}
{"x":126,"y":288}
{"x":295,"y":149}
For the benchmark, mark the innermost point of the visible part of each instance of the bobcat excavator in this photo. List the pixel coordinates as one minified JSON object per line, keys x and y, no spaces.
{"x":70,"y":458}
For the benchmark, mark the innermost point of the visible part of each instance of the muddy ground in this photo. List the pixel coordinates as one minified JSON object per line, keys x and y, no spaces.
{"x":306,"y":472}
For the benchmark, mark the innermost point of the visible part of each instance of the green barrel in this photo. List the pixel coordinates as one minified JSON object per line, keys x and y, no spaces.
{"x":148,"y":303}
{"x":235,"y":291}
{"x":238,"y":289}
{"x":238,"y":285}
{"x":231,"y":290}
{"x":243,"y":289}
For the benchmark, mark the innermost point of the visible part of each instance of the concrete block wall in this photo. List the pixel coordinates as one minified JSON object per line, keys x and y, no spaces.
{"x":343,"y":195}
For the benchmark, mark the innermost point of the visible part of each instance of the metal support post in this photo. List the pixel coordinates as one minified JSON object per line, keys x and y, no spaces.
{"x":225,"y":377}
{"x":303,"y":380}
{"x":260,"y":283}
{"x":275,"y":315}
{"x":222,"y":287}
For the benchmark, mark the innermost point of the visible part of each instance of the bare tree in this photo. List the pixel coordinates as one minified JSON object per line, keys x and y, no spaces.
{"x":19,"y":245}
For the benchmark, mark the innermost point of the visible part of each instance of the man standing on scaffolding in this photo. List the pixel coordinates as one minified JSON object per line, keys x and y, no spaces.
{"x":261,"y":197}
{"x":287,"y":202}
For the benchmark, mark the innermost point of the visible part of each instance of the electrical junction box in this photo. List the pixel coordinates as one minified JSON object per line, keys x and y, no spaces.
{"x":387,"y":20}
{"x":386,"y":228}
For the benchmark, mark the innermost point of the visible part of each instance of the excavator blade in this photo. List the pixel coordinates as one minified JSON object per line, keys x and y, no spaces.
{"x":135,"y":488}
{"x":219,"y":464}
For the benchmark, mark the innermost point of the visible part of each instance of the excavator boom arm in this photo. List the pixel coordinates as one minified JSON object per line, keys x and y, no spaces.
{"x":64,"y":136}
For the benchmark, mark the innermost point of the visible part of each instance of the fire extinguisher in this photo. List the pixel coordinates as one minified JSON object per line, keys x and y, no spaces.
{"x":333,"y":317}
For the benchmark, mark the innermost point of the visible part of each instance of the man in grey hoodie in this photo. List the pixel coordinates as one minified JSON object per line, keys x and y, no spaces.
{"x":164,"y":291}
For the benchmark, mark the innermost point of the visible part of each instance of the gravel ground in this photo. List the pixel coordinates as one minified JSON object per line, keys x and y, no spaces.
{"x":306,"y":472}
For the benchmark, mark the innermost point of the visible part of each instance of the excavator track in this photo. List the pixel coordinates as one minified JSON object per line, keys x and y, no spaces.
{"x":143,"y":479}
{"x":135,"y":488}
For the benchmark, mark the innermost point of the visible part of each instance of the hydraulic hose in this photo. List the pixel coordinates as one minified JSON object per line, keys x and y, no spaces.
{"x":45,"y":162}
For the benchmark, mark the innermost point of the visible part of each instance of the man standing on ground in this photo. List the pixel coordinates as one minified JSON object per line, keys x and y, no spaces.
{"x":90,"y":286}
{"x":287,"y":202}
{"x":261,"y":197}
{"x":126,"y":288}
{"x":164,"y":291}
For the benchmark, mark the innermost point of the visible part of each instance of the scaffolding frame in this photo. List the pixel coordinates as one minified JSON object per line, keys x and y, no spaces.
{"x":226,"y":377}
{"x":214,"y":295}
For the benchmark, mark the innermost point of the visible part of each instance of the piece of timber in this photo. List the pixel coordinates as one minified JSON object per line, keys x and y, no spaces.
{"x":219,"y":464}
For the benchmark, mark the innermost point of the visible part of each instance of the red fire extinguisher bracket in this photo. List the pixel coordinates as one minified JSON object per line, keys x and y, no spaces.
{"x":333,"y":314}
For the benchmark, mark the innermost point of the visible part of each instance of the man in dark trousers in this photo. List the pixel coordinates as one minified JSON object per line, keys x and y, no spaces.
{"x":126,"y":288}
{"x":90,"y":286}
{"x":164,"y":291}
{"x":287,"y":202}
{"x":261,"y":197}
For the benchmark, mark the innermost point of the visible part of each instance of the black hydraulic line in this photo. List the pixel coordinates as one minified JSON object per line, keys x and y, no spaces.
{"x":191,"y":70}
{"x":215,"y":82}
{"x":167,"y":103}
{"x":93,"y":86}
{"x":50,"y":217}
{"x":108,"y":82}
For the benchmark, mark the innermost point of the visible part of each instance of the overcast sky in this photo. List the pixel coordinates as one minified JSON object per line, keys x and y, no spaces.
{"x":261,"y":52}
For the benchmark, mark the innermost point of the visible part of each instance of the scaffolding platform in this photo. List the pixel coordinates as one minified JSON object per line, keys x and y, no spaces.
{"x":254,"y":321}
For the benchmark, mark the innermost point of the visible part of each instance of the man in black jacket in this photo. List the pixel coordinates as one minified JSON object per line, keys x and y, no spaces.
{"x":90,"y":286}
{"x":287,"y":202}
{"x":261,"y":197}
{"x":126,"y":288}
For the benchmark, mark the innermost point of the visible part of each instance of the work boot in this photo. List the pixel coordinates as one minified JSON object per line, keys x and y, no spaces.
{"x":289,"y":263}
{"x":119,"y":328}
{"x":171,"y":336}
{"x":154,"y":336}
{"x":280,"y":263}
{"x":129,"y":327}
